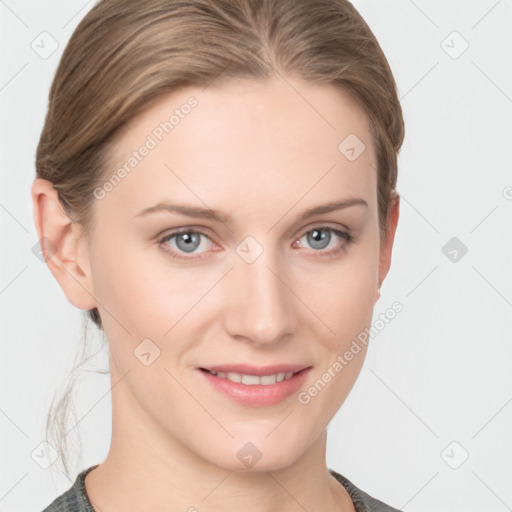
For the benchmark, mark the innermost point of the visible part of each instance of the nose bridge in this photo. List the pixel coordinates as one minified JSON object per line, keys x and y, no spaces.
{"x":261,"y":304}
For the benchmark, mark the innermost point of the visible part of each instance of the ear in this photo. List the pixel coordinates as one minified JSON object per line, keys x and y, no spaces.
{"x":386,"y":245}
{"x":67,"y":257}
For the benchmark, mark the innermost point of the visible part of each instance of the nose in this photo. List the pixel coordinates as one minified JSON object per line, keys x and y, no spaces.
{"x":261,"y":303}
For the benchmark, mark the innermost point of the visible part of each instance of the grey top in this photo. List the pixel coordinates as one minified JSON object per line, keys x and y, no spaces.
{"x":75,"y":499}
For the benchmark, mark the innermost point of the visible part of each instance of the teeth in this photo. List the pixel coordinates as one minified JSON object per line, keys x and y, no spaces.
{"x":252,"y":380}
{"x":235,"y":377}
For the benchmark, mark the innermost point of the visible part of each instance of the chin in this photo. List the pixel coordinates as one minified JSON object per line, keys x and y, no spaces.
{"x":256,"y":456}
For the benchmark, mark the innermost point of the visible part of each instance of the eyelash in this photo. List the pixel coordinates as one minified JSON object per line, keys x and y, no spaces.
{"x":349,"y":238}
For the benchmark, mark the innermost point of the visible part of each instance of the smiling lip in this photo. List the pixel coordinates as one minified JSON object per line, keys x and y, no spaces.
{"x":260,"y":371}
{"x":256,"y":395}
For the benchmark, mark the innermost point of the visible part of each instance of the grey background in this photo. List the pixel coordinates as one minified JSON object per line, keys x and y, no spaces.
{"x":439,"y":373}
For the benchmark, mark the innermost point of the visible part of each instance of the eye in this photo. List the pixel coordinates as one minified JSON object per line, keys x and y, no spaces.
{"x":188,"y":241}
{"x":321,"y":240}
{"x":185,"y":241}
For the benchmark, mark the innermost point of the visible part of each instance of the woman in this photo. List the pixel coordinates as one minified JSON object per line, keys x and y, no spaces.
{"x":216,"y":187}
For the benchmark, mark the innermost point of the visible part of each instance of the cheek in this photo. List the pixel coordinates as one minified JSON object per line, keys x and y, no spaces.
{"x":350,"y":305}
{"x":341,"y":295}
{"x":143,"y":296}
{"x":131,"y":299}
{"x":345,"y":304}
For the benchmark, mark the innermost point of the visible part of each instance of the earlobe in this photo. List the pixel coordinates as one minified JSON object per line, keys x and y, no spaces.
{"x":60,"y":246}
{"x":377,"y":294}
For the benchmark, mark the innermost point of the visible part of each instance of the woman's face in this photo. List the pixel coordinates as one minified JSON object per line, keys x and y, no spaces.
{"x":264,"y":285}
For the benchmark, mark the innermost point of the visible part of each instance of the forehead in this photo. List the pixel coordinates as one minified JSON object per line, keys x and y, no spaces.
{"x":271,"y":141}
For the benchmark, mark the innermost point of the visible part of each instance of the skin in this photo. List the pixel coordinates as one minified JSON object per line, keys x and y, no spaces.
{"x":262,"y":154}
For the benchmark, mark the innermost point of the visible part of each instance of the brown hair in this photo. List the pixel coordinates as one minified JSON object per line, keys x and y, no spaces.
{"x":125,"y":54}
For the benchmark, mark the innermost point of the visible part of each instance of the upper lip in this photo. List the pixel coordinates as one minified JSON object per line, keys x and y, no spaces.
{"x":250,"y":369}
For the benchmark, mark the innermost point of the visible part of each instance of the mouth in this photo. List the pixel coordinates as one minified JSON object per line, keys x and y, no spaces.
{"x":256,"y":386}
{"x":251,"y":379}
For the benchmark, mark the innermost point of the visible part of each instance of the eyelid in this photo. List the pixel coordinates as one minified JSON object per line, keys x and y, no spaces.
{"x":341,"y":232}
{"x":331,"y":225}
{"x":168,"y":233}
{"x":206,"y":233}
{"x":166,"y":236}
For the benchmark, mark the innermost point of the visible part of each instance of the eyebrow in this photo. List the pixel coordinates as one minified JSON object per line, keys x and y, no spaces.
{"x":215,"y":215}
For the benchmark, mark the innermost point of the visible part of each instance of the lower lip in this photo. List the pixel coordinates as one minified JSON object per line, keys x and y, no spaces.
{"x":257,"y":395}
